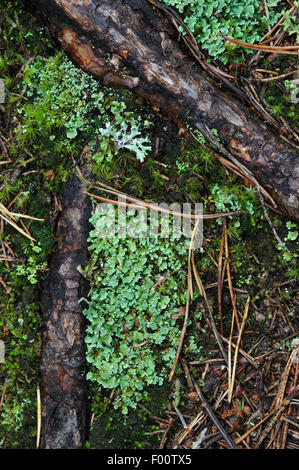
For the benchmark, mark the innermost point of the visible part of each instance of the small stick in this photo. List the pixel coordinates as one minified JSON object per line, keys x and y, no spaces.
{"x":151,"y":415}
{"x":277,"y":413}
{"x":210,"y":316}
{"x":181,"y":417}
{"x":207,"y":361}
{"x":187,"y":374}
{"x":144,"y":206}
{"x":8,"y":258}
{"x":16,"y":227}
{"x":164,"y":438}
{"x":8,"y":289}
{"x":276,"y":25}
{"x":4,"y":252}
{"x":3,"y":392}
{"x":269,"y":427}
{"x":219,"y":283}
{"x":9,"y":248}
{"x":229,"y":277}
{"x":212,"y":416}
{"x":39,"y":417}
{"x":287,"y":50}
{"x":27,"y":231}
{"x":92,"y":419}
{"x":163,"y":279}
{"x":229,"y":357}
{"x":285,"y":430}
{"x":284,"y":378}
{"x":195,"y":422}
{"x":244,"y":353}
{"x":178,"y":352}
{"x":247,"y":433}
{"x":278,"y":77}
{"x":267,"y":15}
{"x":230,"y":392}
{"x":189,"y":295}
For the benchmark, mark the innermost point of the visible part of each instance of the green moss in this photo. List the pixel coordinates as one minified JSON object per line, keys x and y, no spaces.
{"x":114,"y":430}
{"x":278,"y":97}
{"x":20,"y":324}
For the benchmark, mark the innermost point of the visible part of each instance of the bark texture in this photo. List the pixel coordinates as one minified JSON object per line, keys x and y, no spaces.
{"x":131,"y":44}
{"x":63,"y":386}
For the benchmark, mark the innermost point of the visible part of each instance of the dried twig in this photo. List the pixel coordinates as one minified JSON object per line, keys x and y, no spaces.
{"x":285,"y":50}
{"x":278,"y":77}
{"x":281,"y":20}
{"x":232,"y":296}
{"x":219,"y":283}
{"x":218,"y":337}
{"x":142,"y":205}
{"x":39,"y":417}
{"x":244,"y":353}
{"x":3,"y":392}
{"x":187,"y":374}
{"x":195,"y":422}
{"x":9,"y":217}
{"x":178,"y":352}
{"x":232,"y":378}
{"x":212,"y":416}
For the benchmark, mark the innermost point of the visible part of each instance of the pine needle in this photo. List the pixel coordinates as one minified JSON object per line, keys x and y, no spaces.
{"x":232,"y":379}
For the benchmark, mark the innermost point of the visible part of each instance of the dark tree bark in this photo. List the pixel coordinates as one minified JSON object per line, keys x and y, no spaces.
{"x":146,"y":57}
{"x":63,"y":386}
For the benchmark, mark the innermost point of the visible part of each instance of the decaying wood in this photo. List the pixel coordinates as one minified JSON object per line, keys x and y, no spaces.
{"x":131,"y":44}
{"x":63,"y":387}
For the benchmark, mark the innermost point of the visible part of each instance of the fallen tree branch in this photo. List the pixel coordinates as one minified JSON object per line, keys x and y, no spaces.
{"x":147,"y":59}
{"x":64,"y":397}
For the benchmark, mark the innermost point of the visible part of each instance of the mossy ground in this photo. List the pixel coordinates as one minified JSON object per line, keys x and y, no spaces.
{"x":176,"y":170}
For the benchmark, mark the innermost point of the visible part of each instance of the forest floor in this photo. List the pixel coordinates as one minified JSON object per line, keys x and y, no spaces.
{"x":251,"y":399}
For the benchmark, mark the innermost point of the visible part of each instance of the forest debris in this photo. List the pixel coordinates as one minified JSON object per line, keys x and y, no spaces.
{"x":244,"y":353}
{"x":143,"y":205}
{"x":279,"y":22}
{"x":179,"y":348}
{"x":9,"y":217}
{"x":213,"y":417}
{"x":211,"y":321}
{"x":232,"y":296}
{"x":8,"y":289}
{"x":219,"y":281}
{"x":187,"y":374}
{"x":195,"y":422}
{"x":39,"y":417}
{"x":232,"y":377}
{"x":3,"y":393}
{"x":279,"y":50}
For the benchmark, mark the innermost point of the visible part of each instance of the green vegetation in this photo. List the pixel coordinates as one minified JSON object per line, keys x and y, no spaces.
{"x":132,"y":335}
{"x":278,"y":100}
{"x":244,"y":20}
{"x":22,"y":184}
{"x":68,"y":108}
{"x":52,"y":111}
